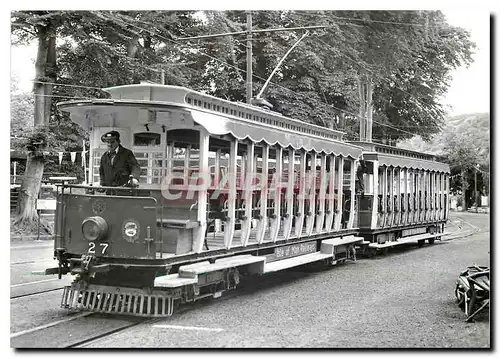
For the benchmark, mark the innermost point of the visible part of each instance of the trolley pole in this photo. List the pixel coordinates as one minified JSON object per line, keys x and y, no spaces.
{"x":249,"y":56}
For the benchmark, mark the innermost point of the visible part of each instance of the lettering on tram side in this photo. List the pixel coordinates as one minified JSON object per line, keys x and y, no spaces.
{"x":284,"y":252}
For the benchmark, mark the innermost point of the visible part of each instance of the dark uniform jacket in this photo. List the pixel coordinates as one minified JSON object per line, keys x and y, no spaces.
{"x":117,"y":174}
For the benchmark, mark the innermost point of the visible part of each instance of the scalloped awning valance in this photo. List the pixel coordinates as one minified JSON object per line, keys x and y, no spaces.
{"x":112,"y":111}
{"x":412,"y":163}
{"x":242,"y":129}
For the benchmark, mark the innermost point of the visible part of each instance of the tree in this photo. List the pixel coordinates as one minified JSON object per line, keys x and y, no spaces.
{"x":406,"y":56}
{"x":466,"y":149}
{"x":83,"y":51}
{"x":21,"y":114}
{"x":41,"y":25}
{"x":98,"y":49}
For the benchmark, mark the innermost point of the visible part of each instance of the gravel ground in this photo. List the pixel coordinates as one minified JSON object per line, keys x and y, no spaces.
{"x":402,"y":300}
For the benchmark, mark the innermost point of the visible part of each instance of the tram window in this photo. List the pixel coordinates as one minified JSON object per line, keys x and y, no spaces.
{"x":189,"y":100}
{"x":147,"y":139}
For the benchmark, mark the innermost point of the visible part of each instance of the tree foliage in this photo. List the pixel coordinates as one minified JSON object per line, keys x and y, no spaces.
{"x":464,"y":143}
{"x":407,"y":55}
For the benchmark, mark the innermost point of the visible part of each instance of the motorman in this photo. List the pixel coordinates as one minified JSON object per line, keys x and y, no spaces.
{"x":118,"y":165}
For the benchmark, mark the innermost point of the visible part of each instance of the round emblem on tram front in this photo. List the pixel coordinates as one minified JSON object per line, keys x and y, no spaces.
{"x":98,"y":206}
{"x":130,"y":230}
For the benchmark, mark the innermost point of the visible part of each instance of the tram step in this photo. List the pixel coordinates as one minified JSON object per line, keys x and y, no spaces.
{"x":327,"y":246}
{"x":295,"y":261}
{"x":173,"y":280}
{"x":408,"y":239}
{"x":193,"y":270}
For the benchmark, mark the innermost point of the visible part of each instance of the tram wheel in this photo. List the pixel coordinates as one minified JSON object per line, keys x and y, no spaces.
{"x":420,"y":243}
{"x":431,"y":240}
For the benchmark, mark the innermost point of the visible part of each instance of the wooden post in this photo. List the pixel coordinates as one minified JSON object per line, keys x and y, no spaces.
{"x":441,"y":196}
{"x":299,"y":220}
{"x":350,"y":223}
{"x":231,"y":212}
{"x":397,"y":203}
{"x":320,"y":218}
{"x":340,"y":188}
{"x":15,"y":172}
{"x":312,"y":196}
{"x":375,"y":195}
{"x":390,"y":188}
{"x":248,"y":193}
{"x":217,"y":168}
{"x":289,"y":194}
{"x":276,"y":219}
{"x":264,"y":190}
{"x":199,"y":234}
{"x":384,"y":196}
{"x":331,"y":194}
{"x":404,"y":198}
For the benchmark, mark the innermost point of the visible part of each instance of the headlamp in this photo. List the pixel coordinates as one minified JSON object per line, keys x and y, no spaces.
{"x":94,"y":228}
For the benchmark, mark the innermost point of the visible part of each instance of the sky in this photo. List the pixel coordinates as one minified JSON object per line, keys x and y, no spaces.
{"x":469,"y":91}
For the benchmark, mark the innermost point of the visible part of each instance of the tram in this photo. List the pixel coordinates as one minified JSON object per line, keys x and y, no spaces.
{"x":227,"y":189}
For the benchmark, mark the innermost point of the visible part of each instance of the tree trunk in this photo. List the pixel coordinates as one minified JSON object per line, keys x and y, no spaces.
{"x":341,"y":121}
{"x":30,"y":187}
{"x":133,"y":46}
{"x":50,"y":74}
{"x":39,"y":88}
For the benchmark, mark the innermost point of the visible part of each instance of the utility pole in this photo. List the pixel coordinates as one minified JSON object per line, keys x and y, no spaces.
{"x":369,"y":118}
{"x":476,"y":200}
{"x":249,"y":57}
{"x":365,"y":109}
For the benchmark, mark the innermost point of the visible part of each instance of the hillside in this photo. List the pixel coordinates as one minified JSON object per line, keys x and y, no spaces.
{"x":474,"y":127}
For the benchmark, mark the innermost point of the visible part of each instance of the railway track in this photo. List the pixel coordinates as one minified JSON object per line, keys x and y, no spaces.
{"x":248,"y":285}
{"x":111,"y":324}
{"x":36,"y":293}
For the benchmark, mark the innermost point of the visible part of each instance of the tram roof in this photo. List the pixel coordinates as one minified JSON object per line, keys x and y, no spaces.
{"x":217,"y":115}
{"x":403,"y":158}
